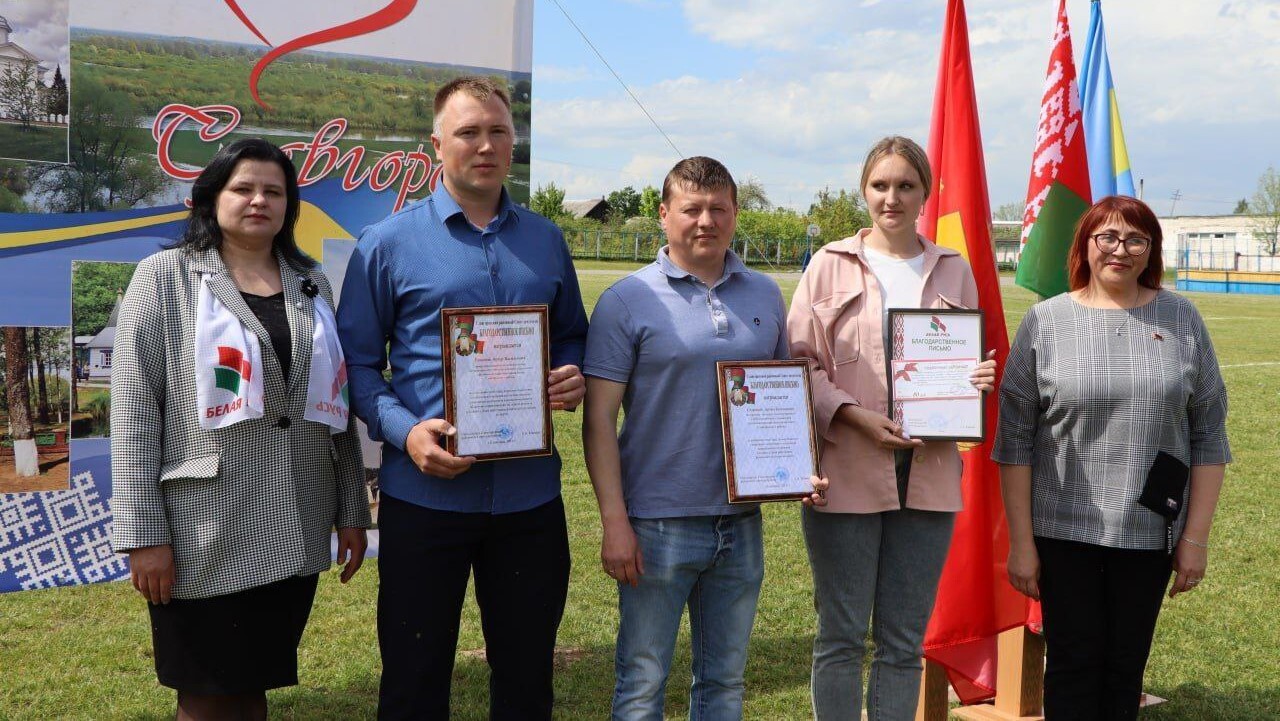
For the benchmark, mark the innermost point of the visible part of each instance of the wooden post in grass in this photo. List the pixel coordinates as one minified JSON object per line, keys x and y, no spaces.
{"x":1019,"y":680}
{"x":933,"y":693}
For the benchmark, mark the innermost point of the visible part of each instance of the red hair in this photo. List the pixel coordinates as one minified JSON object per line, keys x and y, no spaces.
{"x":1133,"y":213}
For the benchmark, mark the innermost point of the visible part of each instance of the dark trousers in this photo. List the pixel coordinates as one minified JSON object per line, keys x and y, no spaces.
{"x":1100,"y":606}
{"x":521,"y":566}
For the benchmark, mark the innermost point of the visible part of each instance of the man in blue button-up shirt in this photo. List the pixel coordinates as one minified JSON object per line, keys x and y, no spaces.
{"x":441,"y":517}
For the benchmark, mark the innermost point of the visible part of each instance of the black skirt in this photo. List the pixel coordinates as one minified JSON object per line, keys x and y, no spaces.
{"x":240,"y":643}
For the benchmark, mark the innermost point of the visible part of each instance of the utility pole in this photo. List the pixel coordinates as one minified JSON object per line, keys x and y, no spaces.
{"x":1177,"y":195}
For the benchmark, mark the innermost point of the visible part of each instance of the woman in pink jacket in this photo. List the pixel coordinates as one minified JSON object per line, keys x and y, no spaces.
{"x":878,"y":546}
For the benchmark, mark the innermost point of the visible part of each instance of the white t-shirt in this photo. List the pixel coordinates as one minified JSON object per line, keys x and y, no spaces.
{"x":901,"y":280}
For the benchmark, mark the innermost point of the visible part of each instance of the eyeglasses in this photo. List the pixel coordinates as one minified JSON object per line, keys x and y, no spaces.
{"x":1108,"y":242}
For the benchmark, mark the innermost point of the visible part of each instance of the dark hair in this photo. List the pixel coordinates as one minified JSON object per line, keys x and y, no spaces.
{"x":477,"y":86}
{"x":699,"y":173}
{"x":1131,"y":212}
{"x":202,"y":231}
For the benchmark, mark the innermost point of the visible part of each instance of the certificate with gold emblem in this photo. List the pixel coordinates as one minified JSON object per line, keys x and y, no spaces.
{"x":496,"y":361}
{"x":932,"y":354}
{"x":766,"y":412}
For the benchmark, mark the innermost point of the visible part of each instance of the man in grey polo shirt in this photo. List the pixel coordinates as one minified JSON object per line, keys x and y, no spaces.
{"x":671,"y":538}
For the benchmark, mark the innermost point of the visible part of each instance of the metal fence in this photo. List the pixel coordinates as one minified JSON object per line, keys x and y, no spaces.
{"x":1189,"y":259}
{"x":621,"y":245}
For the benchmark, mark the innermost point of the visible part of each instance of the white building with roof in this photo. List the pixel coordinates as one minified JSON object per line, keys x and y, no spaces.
{"x":13,"y":54}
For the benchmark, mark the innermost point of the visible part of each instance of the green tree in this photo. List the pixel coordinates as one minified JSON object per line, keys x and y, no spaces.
{"x":548,"y":201}
{"x":839,"y":215}
{"x":650,"y":199}
{"x":21,"y":92}
{"x":109,"y":166}
{"x":58,"y":102}
{"x":779,"y":224}
{"x":94,"y":289}
{"x":1009,"y":211}
{"x":623,"y":204}
{"x":752,"y":195}
{"x":1242,"y":207}
{"x":25,"y":458}
{"x":1265,"y":208}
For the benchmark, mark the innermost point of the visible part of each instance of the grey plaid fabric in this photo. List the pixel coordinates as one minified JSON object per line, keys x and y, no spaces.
{"x":244,"y":505}
{"x":1090,"y":395}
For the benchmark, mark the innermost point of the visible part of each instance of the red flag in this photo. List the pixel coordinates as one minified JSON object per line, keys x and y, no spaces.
{"x":975,"y":601}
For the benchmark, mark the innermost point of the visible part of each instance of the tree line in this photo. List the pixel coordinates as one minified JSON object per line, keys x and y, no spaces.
{"x":26,"y":99}
{"x":304,"y":89}
{"x":838,"y":213}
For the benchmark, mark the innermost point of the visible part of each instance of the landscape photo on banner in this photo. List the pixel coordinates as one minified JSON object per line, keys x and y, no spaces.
{"x":156,"y":87}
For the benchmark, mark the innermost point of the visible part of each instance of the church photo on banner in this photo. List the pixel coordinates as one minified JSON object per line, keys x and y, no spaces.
{"x":106,"y":120}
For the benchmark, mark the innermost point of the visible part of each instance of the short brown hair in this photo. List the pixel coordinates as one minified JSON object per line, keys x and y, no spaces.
{"x":479,"y":87}
{"x":1130,"y":211}
{"x":699,"y":173}
{"x":908,"y":149}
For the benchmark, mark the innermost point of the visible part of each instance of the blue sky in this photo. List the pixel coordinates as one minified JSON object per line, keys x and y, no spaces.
{"x":793,"y":92}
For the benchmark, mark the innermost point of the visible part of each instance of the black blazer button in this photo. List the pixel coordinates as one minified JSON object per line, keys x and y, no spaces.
{"x":283,"y":422}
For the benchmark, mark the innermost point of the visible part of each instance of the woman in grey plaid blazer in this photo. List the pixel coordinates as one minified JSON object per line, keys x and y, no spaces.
{"x":1110,"y":393}
{"x":228,"y":527}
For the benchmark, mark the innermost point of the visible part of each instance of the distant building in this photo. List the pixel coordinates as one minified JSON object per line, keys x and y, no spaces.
{"x":93,"y":353}
{"x":1219,"y":242}
{"x":595,"y":209}
{"x":13,"y":54}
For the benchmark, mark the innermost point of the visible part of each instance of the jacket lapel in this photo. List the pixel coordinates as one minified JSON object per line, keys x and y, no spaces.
{"x":300,"y":310}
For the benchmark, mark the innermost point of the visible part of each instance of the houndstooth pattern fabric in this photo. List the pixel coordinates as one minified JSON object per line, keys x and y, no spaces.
{"x":244,"y":505}
{"x":1088,"y":398}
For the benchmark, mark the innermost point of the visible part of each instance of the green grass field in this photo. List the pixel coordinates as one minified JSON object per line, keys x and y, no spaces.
{"x":36,"y":143}
{"x":84,"y":653}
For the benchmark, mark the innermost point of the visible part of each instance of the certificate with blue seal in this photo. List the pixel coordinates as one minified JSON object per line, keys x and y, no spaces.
{"x":766,"y":413}
{"x":932,"y":353}
{"x":496,"y":362}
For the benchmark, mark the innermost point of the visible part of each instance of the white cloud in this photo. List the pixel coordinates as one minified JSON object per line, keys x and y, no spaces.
{"x":41,"y":28}
{"x":832,"y":76}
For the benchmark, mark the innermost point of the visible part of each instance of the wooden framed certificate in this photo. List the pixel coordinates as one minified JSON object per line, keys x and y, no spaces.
{"x":766,"y":413}
{"x":496,"y":361}
{"x":932,"y":353}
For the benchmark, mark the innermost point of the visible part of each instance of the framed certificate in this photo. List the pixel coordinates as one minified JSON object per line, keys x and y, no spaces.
{"x":496,"y":362}
{"x":932,"y":353}
{"x":766,"y":412}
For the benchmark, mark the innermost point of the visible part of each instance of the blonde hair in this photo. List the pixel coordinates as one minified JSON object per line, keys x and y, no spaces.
{"x":907,"y":149}
{"x":477,"y":86}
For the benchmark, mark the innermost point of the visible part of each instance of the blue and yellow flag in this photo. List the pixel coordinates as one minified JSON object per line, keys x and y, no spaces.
{"x":1109,"y":172}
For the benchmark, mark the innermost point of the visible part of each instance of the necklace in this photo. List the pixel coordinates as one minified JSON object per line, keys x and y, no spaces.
{"x":1129,"y":310}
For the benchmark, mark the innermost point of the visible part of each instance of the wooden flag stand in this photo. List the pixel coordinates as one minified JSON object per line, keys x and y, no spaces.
{"x":1019,"y":681}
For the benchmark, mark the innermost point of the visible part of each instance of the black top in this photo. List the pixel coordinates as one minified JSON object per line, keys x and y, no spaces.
{"x":270,"y":312}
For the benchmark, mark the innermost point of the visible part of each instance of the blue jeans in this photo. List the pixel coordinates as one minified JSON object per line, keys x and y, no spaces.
{"x":713,"y":564}
{"x":882,"y":570}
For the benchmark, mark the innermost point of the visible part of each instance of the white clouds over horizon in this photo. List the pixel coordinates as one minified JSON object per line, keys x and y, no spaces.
{"x":824,"y":79}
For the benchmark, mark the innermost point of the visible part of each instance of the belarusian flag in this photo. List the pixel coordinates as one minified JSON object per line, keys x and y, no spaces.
{"x":975,"y":601}
{"x":1059,"y":190}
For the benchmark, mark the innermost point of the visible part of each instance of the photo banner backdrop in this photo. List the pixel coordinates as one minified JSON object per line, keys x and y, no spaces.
{"x":104,"y":122}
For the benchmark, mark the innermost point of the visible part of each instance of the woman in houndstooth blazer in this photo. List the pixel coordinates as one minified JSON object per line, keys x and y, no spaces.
{"x":228,"y":527}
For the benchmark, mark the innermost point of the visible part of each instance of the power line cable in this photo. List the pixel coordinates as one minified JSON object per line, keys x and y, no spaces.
{"x":621,"y":82}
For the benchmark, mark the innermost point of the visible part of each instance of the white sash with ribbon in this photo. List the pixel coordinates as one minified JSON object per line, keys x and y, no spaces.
{"x":228,"y":364}
{"x":327,"y":396}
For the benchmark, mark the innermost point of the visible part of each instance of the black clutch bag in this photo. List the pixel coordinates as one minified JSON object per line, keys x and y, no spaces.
{"x":1162,"y":493}
{"x":1166,"y":483}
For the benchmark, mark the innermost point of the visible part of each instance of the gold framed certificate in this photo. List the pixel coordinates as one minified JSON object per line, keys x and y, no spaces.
{"x":496,"y":361}
{"x":932,"y":354}
{"x":766,"y":413}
